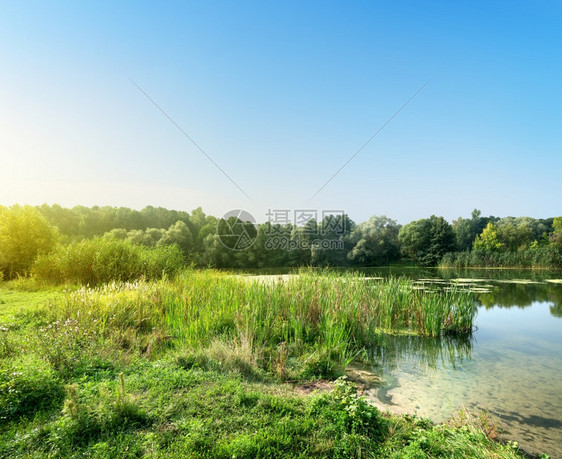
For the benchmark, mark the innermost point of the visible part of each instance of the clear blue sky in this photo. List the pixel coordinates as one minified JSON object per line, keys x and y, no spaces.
{"x":280,"y":95}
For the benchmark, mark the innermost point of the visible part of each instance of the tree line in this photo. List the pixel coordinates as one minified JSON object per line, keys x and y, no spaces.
{"x":42,"y":237}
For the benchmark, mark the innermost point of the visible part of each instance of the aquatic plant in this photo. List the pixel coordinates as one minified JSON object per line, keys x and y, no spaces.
{"x":313,"y":323}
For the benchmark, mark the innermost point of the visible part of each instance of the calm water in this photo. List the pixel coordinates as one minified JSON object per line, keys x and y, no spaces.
{"x":510,"y":366}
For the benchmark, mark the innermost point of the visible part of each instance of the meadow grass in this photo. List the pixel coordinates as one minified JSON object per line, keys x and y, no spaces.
{"x":194,"y":367}
{"x":13,"y":301}
{"x":159,"y":409}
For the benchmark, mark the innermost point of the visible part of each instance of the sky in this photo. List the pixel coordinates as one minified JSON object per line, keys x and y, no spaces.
{"x":256,"y":105}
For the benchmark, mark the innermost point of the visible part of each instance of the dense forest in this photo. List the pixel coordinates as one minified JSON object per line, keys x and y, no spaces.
{"x":56,"y":242}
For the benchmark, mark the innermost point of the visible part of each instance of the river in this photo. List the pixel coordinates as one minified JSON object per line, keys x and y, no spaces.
{"x":511,"y":366}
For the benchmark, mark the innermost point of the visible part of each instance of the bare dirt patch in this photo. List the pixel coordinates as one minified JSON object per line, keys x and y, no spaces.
{"x":312,"y":387}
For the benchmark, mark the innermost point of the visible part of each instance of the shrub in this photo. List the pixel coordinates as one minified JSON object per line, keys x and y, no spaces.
{"x":358,"y":427}
{"x":105,"y":259}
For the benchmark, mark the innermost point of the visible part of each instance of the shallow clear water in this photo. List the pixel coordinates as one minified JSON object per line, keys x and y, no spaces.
{"x":510,"y":366}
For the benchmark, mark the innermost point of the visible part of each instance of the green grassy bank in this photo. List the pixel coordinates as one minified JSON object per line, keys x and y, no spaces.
{"x":206,"y":365}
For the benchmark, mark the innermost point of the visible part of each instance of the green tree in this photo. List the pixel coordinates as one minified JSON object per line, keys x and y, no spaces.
{"x":556,"y":236}
{"x":466,"y":229}
{"x":488,"y":240}
{"x":24,"y":233}
{"x":180,"y":235}
{"x":272,"y":246}
{"x":441,"y":241}
{"x":375,"y":242}
{"x":414,"y":237}
{"x":65,"y":220}
{"x":301,"y":240}
{"x":515,"y":233}
{"x":427,"y":240}
{"x":118,"y":233}
{"x":331,"y":245}
{"x":216,"y":255}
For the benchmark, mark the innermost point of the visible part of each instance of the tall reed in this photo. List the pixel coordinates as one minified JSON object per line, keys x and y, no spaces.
{"x":322,"y":316}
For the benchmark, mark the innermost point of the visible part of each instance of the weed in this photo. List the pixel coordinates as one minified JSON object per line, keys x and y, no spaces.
{"x":479,"y":419}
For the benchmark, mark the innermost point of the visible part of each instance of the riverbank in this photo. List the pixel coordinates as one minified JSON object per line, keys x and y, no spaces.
{"x":124,"y":370}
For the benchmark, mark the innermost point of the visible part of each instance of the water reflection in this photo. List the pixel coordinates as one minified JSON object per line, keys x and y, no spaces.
{"x":510,"y":366}
{"x":516,"y":291}
{"x":556,"y":310}
{"x":508,"y":295}
{"x":426,"y":353}
{"x":539,"y":275}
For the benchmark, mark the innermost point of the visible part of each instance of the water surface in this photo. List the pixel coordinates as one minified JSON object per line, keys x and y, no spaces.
{"x":510,"y":366}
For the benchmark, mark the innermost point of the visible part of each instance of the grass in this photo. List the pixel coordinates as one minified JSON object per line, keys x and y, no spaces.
{"x":197,"y":367}
{"x":14,"y":302}
{"x":311,"y":324}
{"x":160,"y":409}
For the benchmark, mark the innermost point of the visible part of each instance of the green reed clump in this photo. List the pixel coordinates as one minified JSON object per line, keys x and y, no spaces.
{"x":323,"y":320}
{"x":106,"y":259}
{"x":449,"y":311}
{"x":531,"y":257}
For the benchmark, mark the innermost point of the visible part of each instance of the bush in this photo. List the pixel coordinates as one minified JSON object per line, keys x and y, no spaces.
{"x":357,"y":426}
{"x":105,"y":259}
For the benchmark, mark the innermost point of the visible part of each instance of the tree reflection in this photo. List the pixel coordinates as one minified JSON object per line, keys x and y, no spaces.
{"x":507,"y":295}
{"x":556,"y":309}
